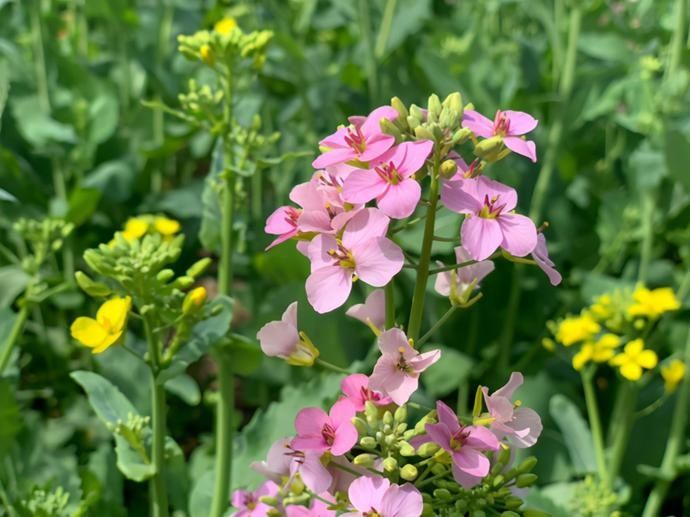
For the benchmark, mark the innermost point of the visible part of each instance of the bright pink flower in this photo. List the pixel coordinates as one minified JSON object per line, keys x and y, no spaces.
{"x":509,"y":125}
{"x":372,"y":312}
{"x":283,"y":223}
{"x":283,"y":339}
{"x":374,"y":495}
{"x":541,"y":257}
{"x":362,"y":140}
{"x":317,"y":509}
{"x":248,"y":502}
{"x":520,"y":424}
{"x":321,"y":431}
{"x":363,"y":252}
{"x":465,"y":277}
{"x":491,"y":222}
{"x":466,"y":445}
{"x":397,"y":371}
{"x":356,"y":390}
{"x":390,"y":181}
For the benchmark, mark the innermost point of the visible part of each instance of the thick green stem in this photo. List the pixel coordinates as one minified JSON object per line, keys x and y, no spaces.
{"x":366,"y":35}
{"x":417,"y":310}
{"x":390,"y":304}
{"x":13,"y":338}
{"x":674,"y":445}
{"x":385,"y":29}
{"x":224,"y":433}
{"x":676,"y":58}
{"x":595,"y":423}
{"x":620,"y":433}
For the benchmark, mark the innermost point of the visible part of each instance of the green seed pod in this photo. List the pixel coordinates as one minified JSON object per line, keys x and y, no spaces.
{"x":91,"y":287}
{"x":368,"y":442}
{"x":409,"y":472}
{"x":390,"y":464}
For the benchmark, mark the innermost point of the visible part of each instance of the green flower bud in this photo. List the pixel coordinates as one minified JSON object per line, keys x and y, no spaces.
{"x":526,"y":480}
{"x":437,"y":469}
{"x":508,"y":513}
{"x":388,"y":418}
{"x":504,"y":456}
{"x":371,"y":412}
{"x":433,"y":108}
{"x":401,"y":428}
{"x":91,"y":287}
{"x":269,"y":500}
{"x":527,"y":465}
{"x":164,"y":275}
{"x":390,"y":464}
{"x":448,"y":169}
{"x":389,"y":128}
{"x":400,"y":414}
{"x":416,"y":112}
{"x":498,"y":481}
{"x":453,"y":102}
{"x":361,"y":425}
{"x":198,"y":267}
{"x":449,"y":119}
{"x":427,"y":450}
{"x":409,"y":472}
{"x":513,"y":503}
{"x":365,"y":459}
{"x":442,"y":493}
{"x":413,"y":122}
{"x":461,"y":136}
{"x":488,"y":147}
{"x":368,"y":442}
{"x":183,"y":282}
{"x":389,"y":439}
{"x":399,"y":106}
{"x":405,"y":449}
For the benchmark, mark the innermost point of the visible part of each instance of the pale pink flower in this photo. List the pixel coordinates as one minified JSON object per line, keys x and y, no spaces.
{"x":284,"y":221}
{"x":490,"y":221}
{"x":356,"y":390}
{"x":466,"y":445}
{"x":283,"y":339}
{"x":363,"y":140}
{"x":541,"y":257}
{"x":466,"y":277}
{"x":363,"y":252}
{"x":397,"y":371}
{"x":373,"y":311}
{"x":521,"y":425}
{"x":278,"y":462}
{"x":248,"y":503}
{"x":317,"y":509}
{"x":509,"y":125}
{"x":375,"y":495}
{"x":389,"y":179}
{"x":321,"y":431}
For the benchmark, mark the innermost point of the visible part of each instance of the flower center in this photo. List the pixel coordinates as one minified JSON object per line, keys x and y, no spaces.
{"x":491,"y":209}
{"x":355,"y":139}
{"x":367,"y":394}
{"x":402,"y":364}
{"x":458,"y":439}
{"x":388,"y":173}
{"x":372,"y":513}
{"x":501,"y":124}
{"x":291,"y":216}
{"x":343,"y":256}
{"x":328,"y":433}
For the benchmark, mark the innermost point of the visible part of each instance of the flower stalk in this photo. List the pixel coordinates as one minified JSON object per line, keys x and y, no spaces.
{"x":587,"y":376}
{"x":13,"y":337}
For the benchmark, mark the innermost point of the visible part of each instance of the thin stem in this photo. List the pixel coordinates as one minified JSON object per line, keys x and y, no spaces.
{"x":225,"y":271}
{"x":439,"y":323}
{"x":330,"y":366}
{"x":224,"y":433}
{"x":417,"y":309}
{"x":13,"y":337}
{"x":39,"y":56}
{"x":620,"y":434}
{"x":365,"y":34}
{"x":647,"y":235}
{"x":595,"y":423}
{"x":385,"y":29}
{"x":437,"y":270}
{"x":389,"y":293}
{"x":677,"y":40}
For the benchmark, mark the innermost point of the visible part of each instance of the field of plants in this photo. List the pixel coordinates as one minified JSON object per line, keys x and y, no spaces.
{"x":391,"y":258}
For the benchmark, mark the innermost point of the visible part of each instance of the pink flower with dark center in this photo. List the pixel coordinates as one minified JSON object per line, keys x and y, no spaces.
{"x":465,"y":444}
{"x":397,"y":371}
{"x":363,"y":140}
{"x":465,"y":277}
{"x":311,"y":469}
{"x":283,"y":223}
{"x":521,"y":425}
{"x":375,"y":496}
{"x":248,"y":503}
{"x":509,"y":125}
{"x":362,"y":252}
{"x":320,"y":431}
{"x":490,"y":221}
{"x":356,"y":390}
{"x":389,"y":180}
{"x":541,"y":257}
{"x":372,"y":312}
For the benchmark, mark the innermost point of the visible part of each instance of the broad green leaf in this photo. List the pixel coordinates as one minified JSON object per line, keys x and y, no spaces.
{"x":107,"y":401}
{"x":13,"y":281}
{"x":576,"y":434}
{"x":6,"y":196}
{"x":209,"y":233}
{"x":114,"y":179}
{"x":130,"y":463}
{"x":605,"y":46}
{"x":409,"y":18}
{"x":9,"y":416}
{"x":104,"y":112}
{"x":677,"y":146}
{"x":36,"y":126}
{"x":245,"y":355}
{"x":201,"y":496}
{"x":186,"y":388}
{"x":447,"y":374}
{"x":82,"y":204}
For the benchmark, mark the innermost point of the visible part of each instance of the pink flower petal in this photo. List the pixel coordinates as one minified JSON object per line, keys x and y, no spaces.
{"x":520,"y":122}
{"x":400,"y":201}
{"x":372,"y":124}
{"x":527,"y":427}
{"x":440,"y":434}
{"x":402,"y":501}
{"x":317,"y":477}
{"x":455,"y":197}
{"x":318,"y":252}
{"x":516,"y":380}
{"x":541,"y":257}
{"x":377,"y":261}
{"x":280,"y":221}
{"x":415,"y":156}
{"x":376,"y":146}
{"x":352,"y":386}
{"x":519,"y":234}
{"x":526,"y":148}
{"x":365,"y":493}
{"x":401,"y":393}
{"x":363,"y":185}
{"x":334,"y":157}
{"x":278,"y":338}
{"x":481,"y":438}
{"x":310,"y":420}
{"x":486,"y":188}
{"x":366,"y":224}
{"x":393,"y":339}
{"x":373,"y":309}
{"x":314,"y":221}
{"x":345,"y":438}
{"x":328,"y":288}
{"x":471,"y":461}
{"x":447,"y":417}
{"x":307,"y":196}
{"x":343,"y":411}
{"x":481,"y":237}
{"x":422,"y":361}
{"x":466,"y":480}
{"x":477,"y":123}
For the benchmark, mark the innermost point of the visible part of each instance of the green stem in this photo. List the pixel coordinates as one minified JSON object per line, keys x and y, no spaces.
{"x":390,"y":304}
{"x":164,"y":31}
{"x":595,"y":423}
{"x":332,"y":367}
{"x":224,"y":433}
{"x":385,"y":29}
{"x":647,"y":235}
{"x":620,"y":433}
{"x":674,"y":445}
{"x":439,"y":323}
{"x":39,"y":56}
{"x":677,"y":40}
{"x":417,"y":309}
{"x":366,"y":35}
{"x":13,"y":338}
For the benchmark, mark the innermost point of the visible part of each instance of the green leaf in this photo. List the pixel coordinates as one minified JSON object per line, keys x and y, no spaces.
{"x":605,"y":46}
{"x":6,"y":196}
{"x":409,"y":18}
{"x":209,"y":233}
{"x":576,"y":434}
{"x":9,"y":416}
{"x":36,"y":126}
{"x":186,"y":388}
{"x":130,"y":462}
{"x":246,"y":355}
{"x":107,"y":401}
{"x":646,"y":167}
{"x":201,"y":497}
{"x":13,"y":281}
{"x":104,"y":112}
{"x":677,"y":147}
{"x":4,"y":87}
{"x":82,"y":204}
{"x":114,"y":179}
{"x":447,"y":374}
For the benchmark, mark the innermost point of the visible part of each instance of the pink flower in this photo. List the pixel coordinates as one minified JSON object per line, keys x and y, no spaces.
{"x":284,"y":222}
{"x":372,"y":312}
{"x":312,"y":471}
{"x":362,"y":252}
{"x":397,"y":371}
{"x":466,"y":445}
{"x":321,"y":431}
{"x":248,"y":503}
{"x":362,"y":140}
{"x":490,"y":222}
{"x":541,"y":257}
{"x":521,"y":425}
{"x":466,"y":277}
{"x":509,"y":125}
{"x":390,"y":181}
{"x":317,"y":509}
{"x":282,"y":339}
{"x":356,"y":390}
{"x":278,"y":461}
{"x":374,"y":495}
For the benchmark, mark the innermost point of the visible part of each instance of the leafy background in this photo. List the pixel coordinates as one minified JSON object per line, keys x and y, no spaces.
{"x":76,"y":142}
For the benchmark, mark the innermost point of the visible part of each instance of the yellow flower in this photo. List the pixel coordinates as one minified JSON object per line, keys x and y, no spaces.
{"x":225,"y":26}
{"x":135,"y":228}
{"x":599,"y":352}
{"x":102,"y":332}
{"x":194,"y":299}
{"x":653,"y":303}
{"x":166,"y":227}
{"x":577,"y":328}
{"x":633,"y":359}
{"x":207,"y":55}
{"x":673,"y":373}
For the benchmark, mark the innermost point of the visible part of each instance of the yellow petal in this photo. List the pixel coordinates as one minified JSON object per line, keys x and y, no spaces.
{"x":634,"y":347}
{"x":112,"y":315}
{"x":88,"y":332}
{"x":618,"y":360}
{"x":609,"y":341}
{"x":582,"y":357}
{"x":135,"y":227}
{"x":631,"y":371}
{"x":225,"y":26}
{"x":602,"y":355}
{"x":166,"y":226}
{"x":647,"y":359}
{"x":110,"y":340}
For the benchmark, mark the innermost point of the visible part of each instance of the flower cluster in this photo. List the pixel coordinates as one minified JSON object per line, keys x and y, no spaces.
{"x":613,"y":330}
{"x":137,"y":227}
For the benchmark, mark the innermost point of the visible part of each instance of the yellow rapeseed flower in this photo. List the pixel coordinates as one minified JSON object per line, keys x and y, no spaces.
{"x":652,"y":303}
{"x":166,"y":227}
{"x":600,"y":351}
{"x":194,"y":299}
{"x":100,"y":333}
{"x":225,"y":26}
{"x":135,"y":228}
{"x":673,"y":373}
{"x":634,"y":359}
{"x":577,"y":328}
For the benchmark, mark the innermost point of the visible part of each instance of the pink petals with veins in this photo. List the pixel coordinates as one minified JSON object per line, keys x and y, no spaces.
{"x":320,"y":431}
{"x":509,"y":125}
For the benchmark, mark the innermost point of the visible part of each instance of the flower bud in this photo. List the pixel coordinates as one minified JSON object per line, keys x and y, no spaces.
{"x":405,"y":449}
{"x":194,"y":300}
{"x":526,"y":480}
{"x":388,"y":418}
{"x":390,"y":464}
{"x":453,"y":102}
{"x":400,"y":414}
{"x":368,"y":442}
{"x":422,"y":133}
{"x":409,"y":472}
{"x":361,"y":425}
{"x":371,"y":413}
{"x":196,"y":269}
{"x":448,"y":169}
{"x":91,"y":287}
{"x":183,"y":282}
{"x":527,"y":465}
{"x":427,"y":450}
{"x":389,"y":128}
{"x":400,"y":429}
{"x":206,"y":54}
{"x":508,"y":513}
{"x":164,"y":275}
{"x":513,"y":503}
{"x":417,"y":113}
{"x":489,"y":147}
{"x":399,"y":106}
{"x":442,"y":493}
{"x":434,"y":108}
{"x":365,"y":460}
{"x":437,"y":469}
{"x":461,"y":136}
